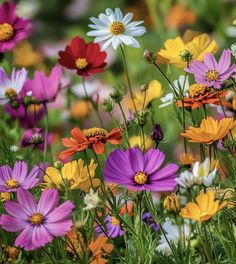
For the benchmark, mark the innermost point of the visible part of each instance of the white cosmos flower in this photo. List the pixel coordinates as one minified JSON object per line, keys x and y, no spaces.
{"x":112,"y":28}
{"x":91,"y":200}
{"x":182,"y":84}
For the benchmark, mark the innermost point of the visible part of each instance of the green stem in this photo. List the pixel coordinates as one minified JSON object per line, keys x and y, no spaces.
{"x":46,"y":134}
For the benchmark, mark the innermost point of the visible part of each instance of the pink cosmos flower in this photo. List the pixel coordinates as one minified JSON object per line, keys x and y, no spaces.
{"x":37,"y":222}
{"x":13,"y":29}
{"x":210,"y":72}
{"x":44,"y":88}
{"x":18,"y":178}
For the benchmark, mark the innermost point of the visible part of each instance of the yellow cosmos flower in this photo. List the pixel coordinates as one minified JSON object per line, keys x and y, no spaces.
{"x":205,"y":208}
{"x":210,"y":130}
{"x":136,"y":141}
{"x":154,"y":91}
{"x":74,"y":174}
{"x":176,"y":50}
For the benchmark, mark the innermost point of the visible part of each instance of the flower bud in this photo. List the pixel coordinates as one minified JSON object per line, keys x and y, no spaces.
{"x":186,"y":55}
{"x":172,"y":203}
{"x":108,"y":105}
{"x":157,"y":133}
{"x":144,"y":87}
{"x":58,"y":164}
{"x":117,"y":95}
{"x":149,"y":56}
{"x":142,"y":117}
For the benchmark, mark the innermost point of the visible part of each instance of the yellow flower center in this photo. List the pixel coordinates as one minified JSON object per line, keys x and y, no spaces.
{"x":10,"y":93}
{"x":81,"y":63}
{"x":95,"y":131}
{"x":117,"y":28}
{"x":115,"y":221}
{"x":36,"y":219}
{"x":212,"y":75}
{"x":12,"y":184}
{"x":196,"y":90}
{"x":6,"y":32}
{"x":140,"y":178}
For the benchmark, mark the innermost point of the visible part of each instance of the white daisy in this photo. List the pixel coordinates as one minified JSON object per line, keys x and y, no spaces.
{"x":11,"y":87}
{"x":114,"y":28}
{"x":91,"y":200}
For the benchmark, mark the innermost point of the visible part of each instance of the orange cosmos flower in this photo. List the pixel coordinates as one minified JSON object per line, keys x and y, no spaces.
{"x":200,"y":95}
{"x":94,"y":138}
{"x":210,"y":130}
{"x":186,"y":159}
{"x":205,"y":208}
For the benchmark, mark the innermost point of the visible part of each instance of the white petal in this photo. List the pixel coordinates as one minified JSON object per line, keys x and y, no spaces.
{"x":126,"y":39}
{"x":134,"y":24}
{"x":98,"y":22}
{"x":127,"y":18}
{"x":102,"y":38}
{"x":116,"y":42}
{"x":118,"y":14}
{"x":135,"y":31}
{"x":105,"y":19}
{"x":107,"y":43}
{"x":98,"y":32}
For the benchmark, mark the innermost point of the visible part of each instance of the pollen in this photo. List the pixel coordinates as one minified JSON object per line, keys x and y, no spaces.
{"x":10,"y":93}
{"x":211,"y":75}
{"x":6,"y":32}
{"x":140,"y":178}
{"x":196,"y":90}
{"x":117,"y":28}
{"x":11,"y":184}
{"x":115,"y":221}
{"x":95,"y":131}
{"x":81,"y":63}
{"x":36,"y":219}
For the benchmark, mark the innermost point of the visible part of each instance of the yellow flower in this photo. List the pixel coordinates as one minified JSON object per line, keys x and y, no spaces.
{"x":176,"y":49}
{"x":5,"y":196}
{"x":154,"y":91}
{"x":136,"y":141}
{"x":25,"y":56}
{"x":172,"y":203}
{"x":12,"y":253}
{"x":187,"y":159}
{"x":81,"y":109}
{"x":205,"y":208}
{"x":210,"y":130}
{"x":74,"y":174}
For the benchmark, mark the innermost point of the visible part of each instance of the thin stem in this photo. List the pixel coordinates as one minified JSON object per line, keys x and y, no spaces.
{"x":48,"y":254}
{"x":125,"y":121}
{"x":46,"y":134}
{"x":87,"y":165}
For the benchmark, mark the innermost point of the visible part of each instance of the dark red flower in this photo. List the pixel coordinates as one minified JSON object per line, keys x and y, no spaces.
{"x":86,"y":59}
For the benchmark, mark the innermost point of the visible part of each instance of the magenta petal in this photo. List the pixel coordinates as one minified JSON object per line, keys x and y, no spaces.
{"x":24,"y":239}
{"x":48,"y":201}
{"x":59,"y":228}
{"x":61,"y":212}
{"x":167,"y":171}
{"x":12,"y":224}
{"x":210,"y":61}
{"x":20,"y":171}
{"x":26,"y":200}
{"x":16,"y":210}
{"x":153,"y":160}
{"x":5,"y":173}
{"x":34,"y":173}
{"x":136,"y":159}
{"x":224,"y":61}
{"x":41,"y":236}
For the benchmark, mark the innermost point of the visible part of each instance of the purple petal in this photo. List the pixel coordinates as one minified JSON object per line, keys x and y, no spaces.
{"x":5,"y":173}
{"x":41,"y":236}
{"x":48,"y":201}
{"x":12,"y":224}
{"x":153,"y":160}
{"x":60,"y":213}
{"x":136,"y":159}
{"x":166,"y":172}
{"x":197,"y":67}
{"x":224,"y":61}
{"x":163,"y":186}
{"x":24,"y":240}
{"x":59,"y":228}
{"x":224,"y":76}
{"x":210,"y":61}
{"x":16,"y":210}
{"x":20,"y":171}
{"x":28,"y":184}
{"x":27,"y":201}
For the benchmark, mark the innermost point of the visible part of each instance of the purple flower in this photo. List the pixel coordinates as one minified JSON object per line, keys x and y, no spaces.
{"x":113,"y":227}
{"x":44,"y":88}
{"x":13,"y":29}
{"x":210,"y":72}
{"x":10,"y":87}
{"x":38,"y":223}
{"x":138,"y":171}
{"x":148,"y":219}
{"x":34,"y":137}
{"x":18,"y":178}
{"x":27,"y":120}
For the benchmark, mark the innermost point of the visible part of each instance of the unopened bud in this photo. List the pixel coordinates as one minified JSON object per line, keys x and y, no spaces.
{"x":172,"y":203}
{"x":117,"y":95}
{"x":144,"y":87}
{"x":142,"y":117}
{"x":157,"y":133}
{"x":58,"y":164}
{"x":149,"y":56}
{"x":186,"y":55}
{"x":108,"y":105}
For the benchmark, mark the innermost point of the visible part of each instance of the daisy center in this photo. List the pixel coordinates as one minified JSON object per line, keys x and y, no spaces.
{"x":211,"y":75}
{"x":115,"y":221}
{"x":117,"y":28}
{"x":81,"y":63}
{"x":10,"y":93}
{"x":36,"y":219}
{"x":140,"y":178}
{"x":95,"y":131}
{"x":12,"y":184}
{"x":6,"y":32}
{"x":196,"y":90}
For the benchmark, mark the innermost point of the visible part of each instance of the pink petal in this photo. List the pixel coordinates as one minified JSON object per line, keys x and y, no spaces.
{"x":27,"y":201}
{"x":60,"y":213}
{"x":59,"y":228}
{"x":48,"y":201}
{"x":16,"y":210}
{"x":41,"y":236}
{"x":12,"y":224}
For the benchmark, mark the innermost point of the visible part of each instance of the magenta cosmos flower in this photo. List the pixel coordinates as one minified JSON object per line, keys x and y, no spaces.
{"x":13,"y":180}
{"x":210,"y":72}
{"x":138,"y":171}
{"x":113,"y":227}
{"x":38,"y":223}
{"x":44,"y":88}
{"x":13,"y":29}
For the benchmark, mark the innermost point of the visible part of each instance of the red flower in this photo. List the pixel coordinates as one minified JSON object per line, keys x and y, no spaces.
{"x":86,"y":59}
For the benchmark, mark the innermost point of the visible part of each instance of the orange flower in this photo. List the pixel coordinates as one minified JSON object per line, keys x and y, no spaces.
{"x":179,"y":16}
{"x":210,"y":130}
{"x":200,"y":95}
{"x":127,"y":209}
{"x":205,"y":208}
{"x":186,"y":159}
{"x":94,"y":138}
